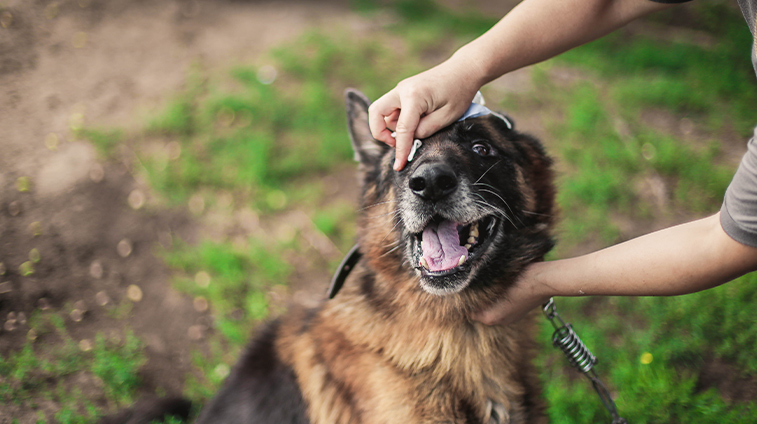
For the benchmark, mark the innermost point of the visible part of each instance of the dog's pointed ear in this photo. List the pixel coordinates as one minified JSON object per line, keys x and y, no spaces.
{"x":368,"y":150}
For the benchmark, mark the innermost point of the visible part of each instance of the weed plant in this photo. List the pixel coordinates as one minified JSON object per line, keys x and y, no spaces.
{"x":31,"y":374}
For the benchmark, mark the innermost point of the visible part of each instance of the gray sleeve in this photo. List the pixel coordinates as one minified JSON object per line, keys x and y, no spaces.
{"x":738,"y":215}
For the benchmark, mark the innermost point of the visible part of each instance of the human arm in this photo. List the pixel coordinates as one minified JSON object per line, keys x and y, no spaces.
{"x":678,"y":260}
{"x":535,"y":30}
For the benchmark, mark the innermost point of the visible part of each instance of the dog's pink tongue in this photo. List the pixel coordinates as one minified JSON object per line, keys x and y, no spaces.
{"x":441,"y":246}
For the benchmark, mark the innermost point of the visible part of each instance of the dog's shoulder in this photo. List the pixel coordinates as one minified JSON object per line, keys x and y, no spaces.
{"x":261,"y":388}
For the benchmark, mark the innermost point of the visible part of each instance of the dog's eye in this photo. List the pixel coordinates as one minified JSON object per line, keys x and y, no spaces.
{"x":482,"y":149}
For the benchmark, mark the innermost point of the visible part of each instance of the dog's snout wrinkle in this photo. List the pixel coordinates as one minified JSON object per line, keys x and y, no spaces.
{"x":433,"y":181}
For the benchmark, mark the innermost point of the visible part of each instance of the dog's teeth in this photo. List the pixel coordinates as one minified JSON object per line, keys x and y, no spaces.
{"x":474,"y":229}
{"x":468,"y":246}
{"x":424,"y":263}
{"x":471,"y":239}
{"x":461,"y":261}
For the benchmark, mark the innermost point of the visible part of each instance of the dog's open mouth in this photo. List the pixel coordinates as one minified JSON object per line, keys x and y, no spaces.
{"x":446,"y":247}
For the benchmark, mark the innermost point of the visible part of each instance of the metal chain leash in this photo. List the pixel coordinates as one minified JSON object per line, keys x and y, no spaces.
{"x":579,"y":357}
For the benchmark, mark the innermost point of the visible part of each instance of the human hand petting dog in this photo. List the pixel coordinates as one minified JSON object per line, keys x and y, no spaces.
{"x":420,"y":106}
{"x":533,"y":31}
{"x":523,"y":297}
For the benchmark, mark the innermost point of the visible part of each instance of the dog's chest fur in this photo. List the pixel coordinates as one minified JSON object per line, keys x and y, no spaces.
{"x":357,"y":362}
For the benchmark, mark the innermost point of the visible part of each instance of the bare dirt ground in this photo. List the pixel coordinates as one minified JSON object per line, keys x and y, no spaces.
{"x":65,"y":63}
{"x":68,"y":62}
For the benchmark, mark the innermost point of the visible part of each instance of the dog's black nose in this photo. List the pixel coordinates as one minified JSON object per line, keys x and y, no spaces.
{"x":433,"y":181}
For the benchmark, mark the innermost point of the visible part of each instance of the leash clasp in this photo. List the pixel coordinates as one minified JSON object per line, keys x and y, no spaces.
{"x":579,"y":356}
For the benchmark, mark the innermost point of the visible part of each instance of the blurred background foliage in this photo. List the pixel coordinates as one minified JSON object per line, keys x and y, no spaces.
{"x":644,"y":125}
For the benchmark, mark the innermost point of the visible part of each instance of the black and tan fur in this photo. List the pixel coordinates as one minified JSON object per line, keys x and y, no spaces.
{"x":396,"y":344}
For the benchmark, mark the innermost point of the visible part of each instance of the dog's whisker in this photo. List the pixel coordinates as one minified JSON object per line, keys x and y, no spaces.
{"x":395,"y":212}
{"x":399,"y":221}
{"x":498,"y":196}
{"x":485,"y":172}
{"x":489,"y":186}
{"x":488,"y":206}
{"x":394,"y":243}
{"x":373,"y":227}
{"x":390,"y":250}
{"x":534,"y":213}
{"x":503,"y":215}
{"x":495,"y":209}
{"x":384,"y":214}
{"x":377,"y":204}
{"x":504,"y":202}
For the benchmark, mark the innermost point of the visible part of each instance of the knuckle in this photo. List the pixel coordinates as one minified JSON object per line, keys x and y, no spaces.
{"x":412,"y":90}
{"x":403,"y":128}
{"x":407,"y":86}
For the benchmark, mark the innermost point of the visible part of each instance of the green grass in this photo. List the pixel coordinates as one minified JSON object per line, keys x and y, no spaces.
{"x":104,"y":140}
{"x":428,"y":28}
{"x":681,"y":333}
{"x":236,"y":281}
{"x":714,"y":84}
{"x":607,"y":165}
{"x":253,"y":139}
{"x":40,"y":371}
{"x":265,"y":145}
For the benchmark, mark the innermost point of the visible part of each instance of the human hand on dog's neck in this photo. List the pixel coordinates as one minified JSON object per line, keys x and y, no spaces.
{"x":683,"y":259}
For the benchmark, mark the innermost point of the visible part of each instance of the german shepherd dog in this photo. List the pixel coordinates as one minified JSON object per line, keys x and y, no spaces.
{"x":441,"y":239}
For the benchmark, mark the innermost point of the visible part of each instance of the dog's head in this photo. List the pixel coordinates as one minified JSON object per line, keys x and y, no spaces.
{"x":472,"y":209}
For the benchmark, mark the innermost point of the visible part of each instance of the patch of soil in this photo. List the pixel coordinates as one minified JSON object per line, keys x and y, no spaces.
{"x":95,"y":229}
{"x":729,"y":380}
{"x":91,"y":229}
{"x":92,"y":248}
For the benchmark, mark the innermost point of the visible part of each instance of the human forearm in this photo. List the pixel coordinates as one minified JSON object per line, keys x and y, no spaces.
{"x":536,"y":30}
{"x":533,"y":31}
{"x":678,"y":260}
